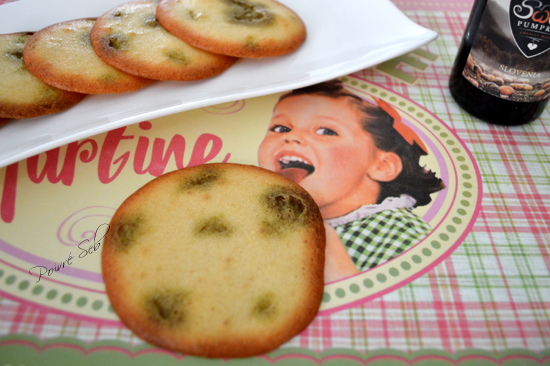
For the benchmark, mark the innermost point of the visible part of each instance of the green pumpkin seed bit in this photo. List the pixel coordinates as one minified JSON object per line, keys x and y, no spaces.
{"x":118,"y":42}
{"x":214,"y":226}
{"x":127,"y":231}
{"x":202,"y":179}
{"x":177,"y":56}
{"x":285,"y":210}
{"x":118,"y":14}
{"x":245,"y":12}
{"x":193,"y":15}
{"x":16,"y":54}
{"x":167,"y":307}
{"x":151,"y":20}
{"x":285,"y":204}
{"x":264,"y":307}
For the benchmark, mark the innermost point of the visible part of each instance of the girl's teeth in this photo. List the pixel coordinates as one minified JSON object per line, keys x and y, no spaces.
{"x":286,"y":159}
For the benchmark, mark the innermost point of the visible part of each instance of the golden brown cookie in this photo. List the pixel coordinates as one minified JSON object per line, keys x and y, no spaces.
{"x":22,"y":95}
{"x":217,"y":260}
{"x":130,"y":38}
{"x":240,"y":28}
{"x":62,"y":55}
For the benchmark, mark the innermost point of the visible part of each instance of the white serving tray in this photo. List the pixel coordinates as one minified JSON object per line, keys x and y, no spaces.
{"x":344,"y":36}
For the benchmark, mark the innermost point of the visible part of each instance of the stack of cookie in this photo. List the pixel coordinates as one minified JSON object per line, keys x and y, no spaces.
{"x":134,"y":44}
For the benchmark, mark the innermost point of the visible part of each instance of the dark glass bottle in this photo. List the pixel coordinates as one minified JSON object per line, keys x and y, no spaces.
{"x":483,"y":94}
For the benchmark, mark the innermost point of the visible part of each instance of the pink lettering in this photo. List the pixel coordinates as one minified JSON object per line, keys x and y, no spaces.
{"x":7,"y":204}
{"x":207,"y":147}
{"x":107,"y":154}
{"x":86,"y":156}
{"x":199,"y":150}
{"x":49,"y":170}
{"x":141,"y":149}
{"x":66,"y":176}
{"x":159,"y":159}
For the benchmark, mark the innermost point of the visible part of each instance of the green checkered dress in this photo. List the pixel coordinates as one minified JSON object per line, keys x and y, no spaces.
{"x":380,"y":237}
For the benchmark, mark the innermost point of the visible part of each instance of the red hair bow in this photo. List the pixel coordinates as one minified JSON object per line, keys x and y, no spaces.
{"x":408,"y":134}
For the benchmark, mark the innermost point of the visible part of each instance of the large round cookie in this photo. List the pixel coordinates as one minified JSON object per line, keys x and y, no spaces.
{"x":22,"y":95}
{"x":62,"y":55}
{"x":217,"y":260}
{"x":130,"y":38}
{"x":241,"y":28}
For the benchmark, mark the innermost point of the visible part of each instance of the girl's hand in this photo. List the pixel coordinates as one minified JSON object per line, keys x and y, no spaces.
{"x":338,"y":263}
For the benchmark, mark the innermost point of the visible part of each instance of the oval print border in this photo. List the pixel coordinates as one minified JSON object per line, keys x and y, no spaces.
{"x":451,"y":215}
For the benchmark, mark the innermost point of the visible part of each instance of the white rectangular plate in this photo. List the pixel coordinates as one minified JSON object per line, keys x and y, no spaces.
{"x":344,"y":36}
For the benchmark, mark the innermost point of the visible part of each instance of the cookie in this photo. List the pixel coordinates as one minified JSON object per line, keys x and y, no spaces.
{"x":240,"y":28}
{"x":23,"y":95}
{"x":216,"y":260}
{"x":62,"y":55}
{"x":130,"y":38}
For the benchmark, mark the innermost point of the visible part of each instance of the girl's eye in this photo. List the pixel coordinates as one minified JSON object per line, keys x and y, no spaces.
{"x":326,"y":131}
{"x":280,"y":129}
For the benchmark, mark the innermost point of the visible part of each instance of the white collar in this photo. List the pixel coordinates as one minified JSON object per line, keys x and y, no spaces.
{"x":390,"y":203}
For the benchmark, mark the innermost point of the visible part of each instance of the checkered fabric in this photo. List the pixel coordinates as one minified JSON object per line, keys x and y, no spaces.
{"x":377,"y":238}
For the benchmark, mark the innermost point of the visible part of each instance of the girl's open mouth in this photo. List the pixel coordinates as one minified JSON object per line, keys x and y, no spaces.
{"x":294,"y":168}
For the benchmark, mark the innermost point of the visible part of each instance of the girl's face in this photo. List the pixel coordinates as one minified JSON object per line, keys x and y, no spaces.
{"x":319,"y":143}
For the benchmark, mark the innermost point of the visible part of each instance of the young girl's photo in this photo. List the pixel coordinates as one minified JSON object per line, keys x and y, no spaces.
{"x":361,"y":165}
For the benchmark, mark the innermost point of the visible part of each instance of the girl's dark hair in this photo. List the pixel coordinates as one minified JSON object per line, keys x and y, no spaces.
{"x":414,"y":180}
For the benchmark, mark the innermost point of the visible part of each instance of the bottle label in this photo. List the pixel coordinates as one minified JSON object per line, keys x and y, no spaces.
{"x":510,"y":55}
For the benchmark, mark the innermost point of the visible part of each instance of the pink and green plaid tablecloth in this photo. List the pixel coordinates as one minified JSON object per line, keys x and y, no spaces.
{"x":489,"y":301}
